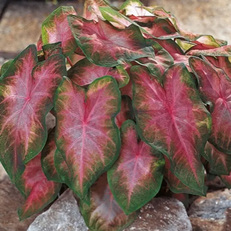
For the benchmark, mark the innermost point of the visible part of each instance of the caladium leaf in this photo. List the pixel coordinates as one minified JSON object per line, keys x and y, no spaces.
{"x":127,"y":90}
{"x":137,"y":175}
{"x":103,"y":213}
{"x":175,"y":51}
{"x":126,"y":111}
{"x":226,"y":180}
{"x":48,"y":158}
{"x":215,"y":87}
{"x":38,"y":190}
{"x":174,"y":184}
{"x":115,"y":18}
{"x":91,"y":9}
{"x":52,"y":49}
{"x":5,"y":66}
{"x":26,"y":96}
{"x":219,"y":162}
{"x":222,"y":63}
{"x":203,"y":42}
{"x":160,"y":28}
{"x":87,"y":137}
{"x":185,"y":130}
{"x":61,"y":166}
{"x":106,"y":45}
{"x":39,"y":43}
{"x":84,"y":72}
{"x":220,"y":51}
{"x":135,"y":8}
{"x":56,"y":29}
{"x":159,"y":64}
{"x":185,"y":45}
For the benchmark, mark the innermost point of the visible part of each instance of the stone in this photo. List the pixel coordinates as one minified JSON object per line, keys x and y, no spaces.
{"x":2,"y":172}
{"x":63,"y":215}
{"x":10,"y":201}
{"x":162,"y":214}
{"x":211,"y":213}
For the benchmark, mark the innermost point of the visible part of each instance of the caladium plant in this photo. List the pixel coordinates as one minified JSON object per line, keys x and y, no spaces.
{"x":137,"y":101}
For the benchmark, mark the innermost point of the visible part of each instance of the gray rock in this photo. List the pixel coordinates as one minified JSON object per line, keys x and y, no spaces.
{"x":162,"y":214}
{"x":63,"y":215}
{"x":211,"y":213}
{"x":2,"y":172}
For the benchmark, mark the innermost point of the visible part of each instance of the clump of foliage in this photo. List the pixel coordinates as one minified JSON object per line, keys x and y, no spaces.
{"x":136,"y":100}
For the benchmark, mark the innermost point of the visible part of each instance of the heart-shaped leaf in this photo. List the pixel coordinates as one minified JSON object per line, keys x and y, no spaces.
{"x":26,"y":95}
{"x":160,"y":28}
{"x":173,"y":119}
{"x":106,"y":45}
{"x":175,"y":185}
{"x":219,"y":162}
{"x":38,"y":190}
{"x":215,"y":87}
{"x":222,"y":63}
{"x":103,"y":213}
{"x":84,"y":72}
{"x":56,"y":29}
{"x":48,"y":158}
{"x":52,"y":49}
{"x":137,"y":175}
{"x":86,"y":136}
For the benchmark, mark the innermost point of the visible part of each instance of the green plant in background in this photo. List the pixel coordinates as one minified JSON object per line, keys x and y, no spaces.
{"x":136,"y":100}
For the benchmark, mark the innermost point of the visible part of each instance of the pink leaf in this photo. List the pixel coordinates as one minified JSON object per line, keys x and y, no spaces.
{"x":127,"y":90}
{"x":220,"y":51}
{"x":48,"y":158}
{"x":39,"y":43}
{"x":175,"y":185}
{"x":161,"y":61}
{"x":136,"y":176}
{"x":134,"y":8}
{"x":173,"y":120}
{"x":86,"y":134}
{"x":215,"y":87}
{"x":84,"y":72}
{"x":219,"y":162}
{"x":161,"y":28}
{"x":39,"y":191}
{"x":103,"y":213}
{"x":126,"y":111}
{"x":222,"y":63}
{"x":56,"y":29}
{"x":26,"y":95}
{"x":175,"y":51}
{"x":91,"y":9}
{"x":52,"y":49}
{"x":105,"y":45}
